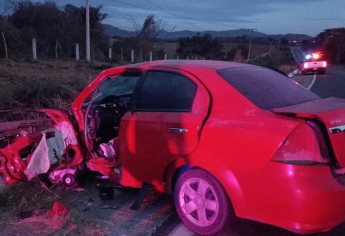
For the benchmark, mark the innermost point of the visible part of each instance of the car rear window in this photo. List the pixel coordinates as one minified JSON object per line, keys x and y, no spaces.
{"x":266,"y":88}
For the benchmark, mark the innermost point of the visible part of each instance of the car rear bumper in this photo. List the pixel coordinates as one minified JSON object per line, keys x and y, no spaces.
{"x":302,"y":199}
{"x":313,"y":66}
{"x":314,"y":69}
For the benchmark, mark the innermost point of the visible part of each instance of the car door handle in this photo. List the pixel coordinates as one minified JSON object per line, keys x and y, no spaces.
{"x":178,"y":130}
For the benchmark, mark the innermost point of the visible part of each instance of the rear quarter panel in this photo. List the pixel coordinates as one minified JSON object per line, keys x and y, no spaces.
{"x":238,"y":138}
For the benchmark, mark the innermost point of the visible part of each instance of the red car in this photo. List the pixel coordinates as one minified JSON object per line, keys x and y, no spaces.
{"x":225,"y":138}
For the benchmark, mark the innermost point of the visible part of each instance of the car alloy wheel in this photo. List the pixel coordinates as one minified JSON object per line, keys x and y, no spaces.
{"x":201,"y":202}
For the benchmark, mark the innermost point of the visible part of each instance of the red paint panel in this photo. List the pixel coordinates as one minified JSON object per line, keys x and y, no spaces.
{"x":331,"y":112}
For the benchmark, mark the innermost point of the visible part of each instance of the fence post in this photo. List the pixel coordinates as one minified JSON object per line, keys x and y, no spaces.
{"x":121,"y":54}
{"x":150,"y":55}
{"x":110,"y":53}
{"x":5,"y":45}
{"x":77,"y":58}
{"x":34,"y":49}
{"x":93,"y":53}
{"x":177,"y":58}
{"x":56,"y":49}
{"x":132,"y":56}
{"x":165,"y":56}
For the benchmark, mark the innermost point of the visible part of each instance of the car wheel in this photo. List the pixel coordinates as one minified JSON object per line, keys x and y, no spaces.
{"x":201,"y":202}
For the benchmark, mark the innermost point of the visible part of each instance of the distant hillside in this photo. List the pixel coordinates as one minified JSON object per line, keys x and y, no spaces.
{"x":221,"y":34}
{"x":113,"y":31}
{"x":298,"y":37}
{"x":117,"y":32}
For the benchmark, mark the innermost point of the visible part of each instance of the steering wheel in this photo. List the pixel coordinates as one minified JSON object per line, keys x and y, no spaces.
{"x":112,"y":102}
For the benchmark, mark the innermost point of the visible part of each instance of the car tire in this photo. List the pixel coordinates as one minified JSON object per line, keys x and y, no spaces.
{"x":194,"y":190}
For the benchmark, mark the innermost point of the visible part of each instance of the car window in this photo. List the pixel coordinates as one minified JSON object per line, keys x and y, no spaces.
{"x":121,"y":86}
{"x":266,"y":88}
{"x":166,"y":91}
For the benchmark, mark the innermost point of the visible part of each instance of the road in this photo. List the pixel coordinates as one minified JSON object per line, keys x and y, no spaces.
{"x":297,"y":54}
{"x":330,"y":85}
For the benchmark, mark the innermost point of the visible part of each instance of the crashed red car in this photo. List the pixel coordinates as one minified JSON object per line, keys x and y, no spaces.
{"x":223,"y":138}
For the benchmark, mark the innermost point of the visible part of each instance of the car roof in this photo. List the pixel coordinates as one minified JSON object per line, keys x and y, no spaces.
{"x":188,"y":64}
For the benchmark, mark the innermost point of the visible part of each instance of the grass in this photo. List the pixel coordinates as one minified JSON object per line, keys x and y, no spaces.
{"x":43,"y":84}
{"x":281,"y":59}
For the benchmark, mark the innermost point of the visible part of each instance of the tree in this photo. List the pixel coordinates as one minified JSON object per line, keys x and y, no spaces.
{"x":15,"y":45}
{"x":142,"y":42}
{"x":54,"y":28}
{"x":284,"y":42}
{"x":150,"y":28}
{"x":204,"y":46}
{"x":332,"y":41}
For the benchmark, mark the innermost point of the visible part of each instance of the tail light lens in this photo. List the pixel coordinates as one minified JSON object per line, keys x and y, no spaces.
{"x":306,"y":145}
{"x":324,"y":64}
{"x":316,"y":56}
{"x":305,"y":65}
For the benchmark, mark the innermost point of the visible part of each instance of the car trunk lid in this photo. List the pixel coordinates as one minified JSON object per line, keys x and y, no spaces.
{"x":331,"y":112}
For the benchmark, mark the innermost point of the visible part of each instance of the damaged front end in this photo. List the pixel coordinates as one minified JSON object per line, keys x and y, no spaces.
{"x":38,"y":142}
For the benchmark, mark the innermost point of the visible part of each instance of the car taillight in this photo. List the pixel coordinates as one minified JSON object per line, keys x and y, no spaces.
{"x":316,"y":56}
{"x":324,"y":64}
{"x":305,"y":65}
{"x":306,"y":145}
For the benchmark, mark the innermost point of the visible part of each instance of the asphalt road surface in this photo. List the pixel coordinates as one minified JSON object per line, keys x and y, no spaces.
{"x":332,"y":84}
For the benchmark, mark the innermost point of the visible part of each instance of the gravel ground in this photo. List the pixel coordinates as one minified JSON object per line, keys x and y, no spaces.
{"x":25,"y":210}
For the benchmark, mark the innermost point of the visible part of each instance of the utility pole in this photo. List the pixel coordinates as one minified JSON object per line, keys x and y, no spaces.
{"x":88,"y":57}
{"x":250,"y":43}
{"x":34,"y":49}
{"x":5,"y":45}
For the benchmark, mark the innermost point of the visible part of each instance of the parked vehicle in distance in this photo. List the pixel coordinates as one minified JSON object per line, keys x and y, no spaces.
{"x":224,"y":138}
{"x":315,"y":63}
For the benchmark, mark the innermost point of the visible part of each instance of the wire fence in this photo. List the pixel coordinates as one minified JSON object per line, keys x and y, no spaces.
{"x":36,"y":51}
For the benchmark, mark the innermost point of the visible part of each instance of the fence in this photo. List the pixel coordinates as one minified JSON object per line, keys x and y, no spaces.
{"x":120,"y":51}
{"x":111,"y":54}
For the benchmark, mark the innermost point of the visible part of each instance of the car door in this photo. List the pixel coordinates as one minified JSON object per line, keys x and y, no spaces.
{"x":164,"y":123}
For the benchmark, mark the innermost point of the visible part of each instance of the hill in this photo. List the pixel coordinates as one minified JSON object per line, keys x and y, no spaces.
{"x":113,"y":31}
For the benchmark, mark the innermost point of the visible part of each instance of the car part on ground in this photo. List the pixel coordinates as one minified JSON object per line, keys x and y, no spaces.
{"x":63,"y":176}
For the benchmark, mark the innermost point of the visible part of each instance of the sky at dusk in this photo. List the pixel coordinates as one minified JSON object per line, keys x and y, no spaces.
{"x":267,"y":16}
